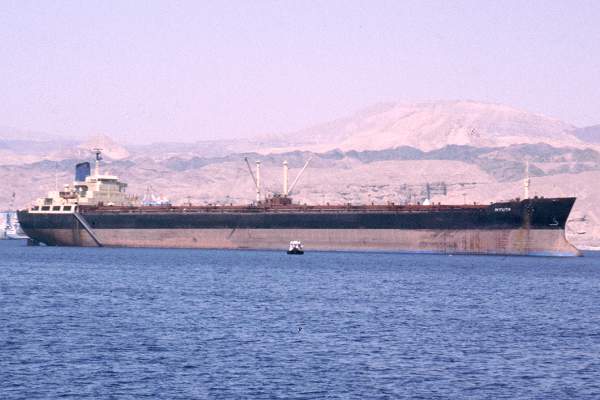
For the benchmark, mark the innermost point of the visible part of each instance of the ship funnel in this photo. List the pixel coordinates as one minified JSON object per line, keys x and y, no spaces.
{"x":82,"y":171}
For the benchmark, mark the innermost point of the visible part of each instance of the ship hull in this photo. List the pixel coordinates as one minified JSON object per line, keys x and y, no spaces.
{"x":476,"y":241}
{"x":517,"y":228}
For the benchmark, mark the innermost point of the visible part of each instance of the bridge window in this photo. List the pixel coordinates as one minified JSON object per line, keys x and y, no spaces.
{"x":45,"y":208}
{"x":67,"y":208}
{"x":56,"y":208}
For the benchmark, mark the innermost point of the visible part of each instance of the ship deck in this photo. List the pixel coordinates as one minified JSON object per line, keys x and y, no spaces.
{"x":296,"y":208}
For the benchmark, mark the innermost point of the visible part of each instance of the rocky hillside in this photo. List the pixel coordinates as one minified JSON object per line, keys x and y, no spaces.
{"x":451,"y":152}
{"x":453,"y":174}
{"x":589,"y":134}
{"x":428,"y":126}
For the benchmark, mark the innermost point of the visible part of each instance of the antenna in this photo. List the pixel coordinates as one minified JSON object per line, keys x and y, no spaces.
{"x":299,"y":175}
{"x":255,"y":179}
{"x":98,"y":152}
{"x":527,"y":180}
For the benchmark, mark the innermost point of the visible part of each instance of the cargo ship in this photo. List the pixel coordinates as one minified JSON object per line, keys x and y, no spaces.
{"x":97,"y":211}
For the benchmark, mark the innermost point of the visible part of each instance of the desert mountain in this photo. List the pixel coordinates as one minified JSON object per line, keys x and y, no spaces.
{"x":18,"y":146}
{"x":424,"y":126}
{"x":450,"y":152}
{"x":429,"y":126}
{"x":589,"y":134}
{"x":110,"y":148}
{"x":8,"y":133}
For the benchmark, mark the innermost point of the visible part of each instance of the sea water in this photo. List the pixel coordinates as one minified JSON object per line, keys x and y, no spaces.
{"x":179,"y":324}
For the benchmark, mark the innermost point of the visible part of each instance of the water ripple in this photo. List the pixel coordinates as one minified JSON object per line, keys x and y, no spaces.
{"x":178,"y":324}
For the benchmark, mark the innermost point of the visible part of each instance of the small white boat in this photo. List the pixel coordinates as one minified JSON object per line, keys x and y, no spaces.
{"x":295,"y":247}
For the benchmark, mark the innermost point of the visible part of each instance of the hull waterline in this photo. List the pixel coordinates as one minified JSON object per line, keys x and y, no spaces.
{"x":529,"y":227}
{"x":515,"y":241}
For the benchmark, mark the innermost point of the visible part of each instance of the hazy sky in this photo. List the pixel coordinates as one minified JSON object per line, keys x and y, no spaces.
{"x":152,"y":71}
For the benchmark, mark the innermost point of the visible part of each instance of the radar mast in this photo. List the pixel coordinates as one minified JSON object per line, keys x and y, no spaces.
{"x":98,"y":152}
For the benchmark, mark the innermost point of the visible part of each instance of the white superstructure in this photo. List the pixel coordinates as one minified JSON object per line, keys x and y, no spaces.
{"x":93,"y":190}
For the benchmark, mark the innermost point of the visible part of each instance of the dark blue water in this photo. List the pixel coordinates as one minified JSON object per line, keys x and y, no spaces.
{"x":177,"y":324}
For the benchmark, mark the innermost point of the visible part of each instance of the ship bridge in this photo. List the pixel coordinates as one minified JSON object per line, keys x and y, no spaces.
{"x":87,"y":189}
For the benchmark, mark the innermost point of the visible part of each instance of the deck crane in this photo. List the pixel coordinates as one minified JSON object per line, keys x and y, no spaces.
{"x":256,"y":178}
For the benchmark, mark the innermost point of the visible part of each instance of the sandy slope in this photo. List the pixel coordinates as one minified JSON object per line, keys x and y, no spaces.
{"x":434,"y":125}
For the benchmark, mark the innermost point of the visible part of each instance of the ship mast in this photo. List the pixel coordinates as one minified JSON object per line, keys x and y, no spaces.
{"x":98,"y":153}
{"x":526,"y":181}
{"x":287,"y":188}
{"x":255,"y":179}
